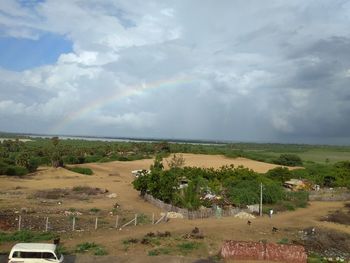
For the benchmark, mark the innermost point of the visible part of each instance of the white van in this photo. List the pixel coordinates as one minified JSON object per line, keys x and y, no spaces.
{"x":35,"y":253}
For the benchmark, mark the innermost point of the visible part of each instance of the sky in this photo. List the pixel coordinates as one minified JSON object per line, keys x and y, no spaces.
{"x":240,"y":70}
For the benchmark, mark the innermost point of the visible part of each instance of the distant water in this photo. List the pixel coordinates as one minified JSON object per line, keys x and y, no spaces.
{"x":110,"y":139}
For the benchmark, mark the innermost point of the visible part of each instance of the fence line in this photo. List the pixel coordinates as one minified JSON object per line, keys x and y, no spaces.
{"x":62,"y":223}
{"x":197,"y":214}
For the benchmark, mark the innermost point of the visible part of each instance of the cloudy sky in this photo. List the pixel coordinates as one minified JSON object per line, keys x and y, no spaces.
{"x":242,"y":70}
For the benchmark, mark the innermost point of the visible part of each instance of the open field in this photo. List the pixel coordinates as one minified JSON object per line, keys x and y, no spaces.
{"x":114,"y":176}
{"x":17,"y":193}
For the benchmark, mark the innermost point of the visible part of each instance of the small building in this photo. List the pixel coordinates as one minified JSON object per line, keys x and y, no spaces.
{"x":141,"y":172}
{"x":295,"y":185}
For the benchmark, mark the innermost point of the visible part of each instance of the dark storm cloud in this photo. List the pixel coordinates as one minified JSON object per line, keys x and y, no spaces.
{"x":255,"y":71}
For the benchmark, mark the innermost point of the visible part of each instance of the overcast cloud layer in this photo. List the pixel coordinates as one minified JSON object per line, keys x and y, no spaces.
{"x":275,"y":71}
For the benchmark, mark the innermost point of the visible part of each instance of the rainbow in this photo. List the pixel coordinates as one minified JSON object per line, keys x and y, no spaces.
{"x":127,"y":92}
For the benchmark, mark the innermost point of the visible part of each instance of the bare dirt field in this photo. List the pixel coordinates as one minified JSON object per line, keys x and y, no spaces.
{"x":17,"y":193}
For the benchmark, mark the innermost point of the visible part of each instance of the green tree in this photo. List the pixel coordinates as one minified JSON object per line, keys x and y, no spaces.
{"x":281,"y":174}
{"x":176,"y":161}
{"x":289,"y":160}
{"x":141,"y":182}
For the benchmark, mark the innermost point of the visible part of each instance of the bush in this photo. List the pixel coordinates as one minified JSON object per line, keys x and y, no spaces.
{"x":92,"y":158}
{"x":289,"y":160}
{"x":16,"y":170}
{"x":281,"y":174}
{"x":81,"y":170}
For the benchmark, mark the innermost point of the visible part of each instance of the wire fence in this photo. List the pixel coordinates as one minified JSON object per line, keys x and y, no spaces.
{"x":197,"y":214}
{"x":75,"y":222}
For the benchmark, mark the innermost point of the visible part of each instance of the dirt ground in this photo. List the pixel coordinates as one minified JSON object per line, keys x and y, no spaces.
{"x":15,"y":193}
{"x":114,"y":176}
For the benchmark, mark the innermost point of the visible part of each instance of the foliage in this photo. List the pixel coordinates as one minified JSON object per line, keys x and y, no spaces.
{"x":81,"y":170}
{"x":96,"y":249}
{"x":20,"y":158}
{"x":240,"y":185}
{"x":289,"y":160}
{"x":281,"y":174}
{"x":176,"y":161}
{"x":25,"y":236}
{"x":187,"y":247}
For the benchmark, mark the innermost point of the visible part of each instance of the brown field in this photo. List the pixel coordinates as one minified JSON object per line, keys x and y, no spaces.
{"x":16,"y":193}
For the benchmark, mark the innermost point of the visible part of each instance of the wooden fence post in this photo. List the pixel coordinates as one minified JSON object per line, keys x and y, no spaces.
{"x":116,"y":221}
{"x":47,"y":224}
{"x":153,"y":219}
{"x":135,"y":219}
{"x":96,"y":222}
{"x":73,"y":224}
{"x":19,"y":222}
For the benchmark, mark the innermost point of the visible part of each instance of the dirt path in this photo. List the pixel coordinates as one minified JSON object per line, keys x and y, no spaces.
{"x":289,"y":225}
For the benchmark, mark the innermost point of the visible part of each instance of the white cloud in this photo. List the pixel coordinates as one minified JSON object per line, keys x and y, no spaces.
{"x":246,"y":68}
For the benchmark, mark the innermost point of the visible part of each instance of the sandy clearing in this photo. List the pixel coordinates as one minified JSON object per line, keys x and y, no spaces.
{"x":114,"y":176}
{"x":217,"y":161}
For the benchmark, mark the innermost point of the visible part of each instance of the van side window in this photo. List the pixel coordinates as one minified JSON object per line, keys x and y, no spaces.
{"x":48,"y":255}
{"x":30,"y":255}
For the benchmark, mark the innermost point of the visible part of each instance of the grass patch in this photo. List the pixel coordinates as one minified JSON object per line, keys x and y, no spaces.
{"x":283,"y":241}
{"x":96,"y":249}
{"x":315,"y":258}
{"x":81,"y":170}
{"x":143,"y":219}
{"x":26,"y":236}
{"x":159,"y":251}
{"x":187,"y":247}
{"x":95,"y":210}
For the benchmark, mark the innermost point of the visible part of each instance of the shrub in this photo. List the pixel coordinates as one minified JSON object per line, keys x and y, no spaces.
{"x":281,"y":174}
{"x":93,"y":247}
{"x":16,"y":170}
{"x":289,"y":160}
{"x":81,"y":170}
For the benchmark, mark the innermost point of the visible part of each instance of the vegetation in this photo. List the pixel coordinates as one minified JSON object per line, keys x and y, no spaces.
{"x":324,"y":165}
{"x":81,"y":170}
{"x":238,"y":186}
{"x":289,"y":160}
{"x":26,"y":236}
{"x":96,"y":249}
